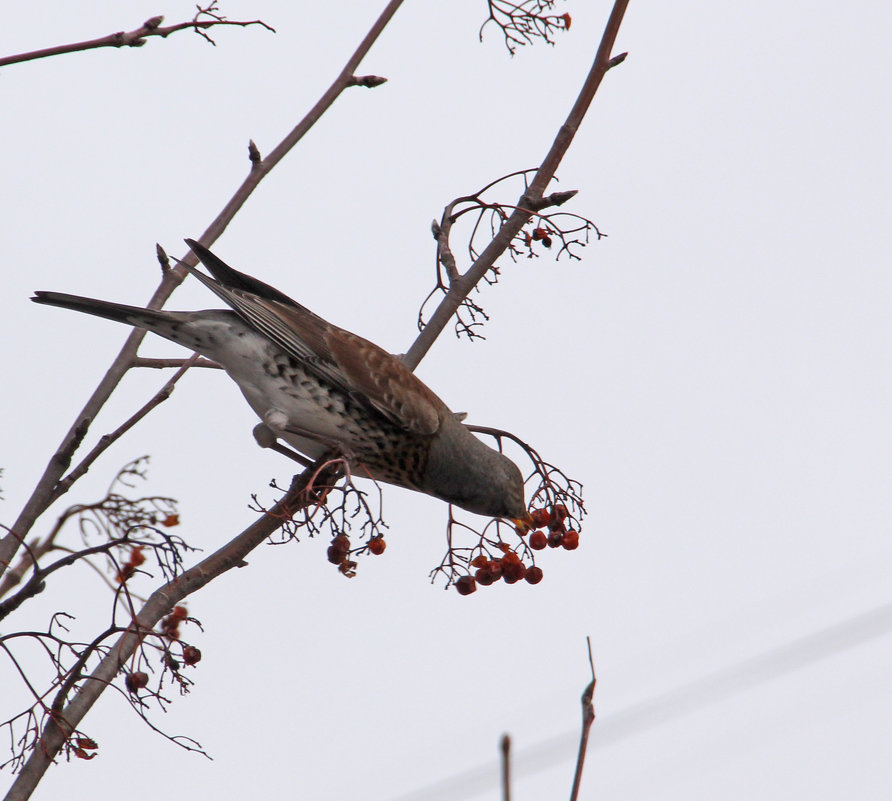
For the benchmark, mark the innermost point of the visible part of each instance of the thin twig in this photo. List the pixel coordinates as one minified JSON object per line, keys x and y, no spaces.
{"x":107,"y":439}
{"x":505,"y":747}
{"x":158,"y":364}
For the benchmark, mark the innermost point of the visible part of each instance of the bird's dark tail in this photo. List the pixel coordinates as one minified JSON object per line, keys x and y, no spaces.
{"x":233,"y":279}
{"x":130,"y":315}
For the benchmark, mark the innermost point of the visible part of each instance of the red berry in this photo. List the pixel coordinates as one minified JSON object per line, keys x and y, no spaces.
{"x":479,"y":561}
{"x":534,"y":575}
{"x":484,"y":576}
{"x":136,"y":681}
{"x":540,"y":517}
{"x":191,"y":655}
{"x":510,"y":557}
{"x":538,"y":540}
{"x":495,"y":568}
{"x":555,"y":538}
{"x":570,"y":540}
{"x":513,"y":572}
{"x":466,"y":585}
{"x":377,"y":545}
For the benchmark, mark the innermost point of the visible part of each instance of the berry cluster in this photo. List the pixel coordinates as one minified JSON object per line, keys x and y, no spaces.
{"x":542,"y":235}
{"x":510,"y":567}
{"x":558,"y":534}
{"x":339,"y":550}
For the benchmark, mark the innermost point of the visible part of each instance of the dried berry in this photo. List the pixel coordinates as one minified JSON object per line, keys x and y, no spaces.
{"x":191,"y":655}
{"x":335,"y":555}
{"x":555,"y":538}
{"x":534,"y":575}
{"x":136,"y":681}
{"x":348,"y":568}
{"x":466,"y":585}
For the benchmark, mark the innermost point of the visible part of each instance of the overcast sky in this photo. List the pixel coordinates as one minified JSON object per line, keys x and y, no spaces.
{"x":716,"y":372}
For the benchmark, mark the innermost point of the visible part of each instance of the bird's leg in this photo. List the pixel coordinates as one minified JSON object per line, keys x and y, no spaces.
{"x":266,"y":438}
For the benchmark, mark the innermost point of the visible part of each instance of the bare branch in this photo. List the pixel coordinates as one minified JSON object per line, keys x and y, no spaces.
{"x":505,"y":747}
{"x":157,"y":364}
{"x":139,"y":36}
{"x":588,"y":717}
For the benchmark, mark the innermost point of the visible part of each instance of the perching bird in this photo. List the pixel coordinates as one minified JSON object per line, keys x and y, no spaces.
{"x":321,"y":388}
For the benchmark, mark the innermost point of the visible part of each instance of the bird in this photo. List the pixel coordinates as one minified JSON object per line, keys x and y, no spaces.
{"x":323,"y":389}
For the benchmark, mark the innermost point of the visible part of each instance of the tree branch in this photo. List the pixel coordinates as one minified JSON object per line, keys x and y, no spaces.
{"x":531,"y":199}
{"x":588,"y":717}
{"x":61,"y":726}
{"x":135,"y":38}
{"x":42,"y":495}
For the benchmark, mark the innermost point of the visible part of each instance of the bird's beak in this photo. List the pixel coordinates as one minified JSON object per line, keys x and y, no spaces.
{"x":523,"y":524}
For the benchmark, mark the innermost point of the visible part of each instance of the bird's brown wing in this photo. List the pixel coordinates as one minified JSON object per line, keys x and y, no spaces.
{"x":357,"y":365}
{"x":344,"y":360}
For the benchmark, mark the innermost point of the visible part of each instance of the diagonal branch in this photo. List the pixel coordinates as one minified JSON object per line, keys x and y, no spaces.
{"x":106,"y":440}
{"x":531,"y":199}
{"x":59,"y":727}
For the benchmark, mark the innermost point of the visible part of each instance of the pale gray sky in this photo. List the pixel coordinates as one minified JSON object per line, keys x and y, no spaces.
{"x":716,"y":372}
